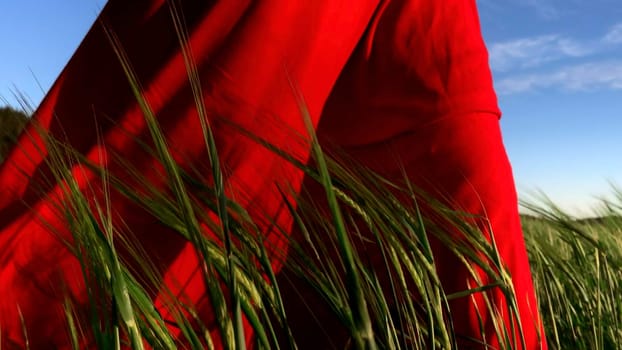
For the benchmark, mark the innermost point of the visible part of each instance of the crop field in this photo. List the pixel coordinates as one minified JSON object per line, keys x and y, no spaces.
{"x":577,"y":265}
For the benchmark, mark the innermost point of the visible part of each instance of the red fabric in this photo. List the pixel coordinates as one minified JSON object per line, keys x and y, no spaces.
{"x":408,"y":77}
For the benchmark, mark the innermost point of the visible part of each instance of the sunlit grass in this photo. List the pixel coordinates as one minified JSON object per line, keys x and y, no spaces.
{"x":407,"y":310}
{"x":397,"y":304}
{"x":577,"y":266}
{"x":577,"y":263}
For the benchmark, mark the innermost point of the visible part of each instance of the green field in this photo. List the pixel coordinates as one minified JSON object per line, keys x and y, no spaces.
{"x":577,"y":264}
{"x":577,"y":267}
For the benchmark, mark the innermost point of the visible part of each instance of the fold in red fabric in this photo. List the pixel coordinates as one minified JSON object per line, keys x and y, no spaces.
{"x":382,"y":80}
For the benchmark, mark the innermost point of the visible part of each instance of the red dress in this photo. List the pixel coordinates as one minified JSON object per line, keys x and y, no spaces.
{"x":405,"y":78}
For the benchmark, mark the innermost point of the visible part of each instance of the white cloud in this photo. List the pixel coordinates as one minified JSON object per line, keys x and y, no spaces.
{"x":580,"y":77}
{"x":534,"y":51}
{"x":557,"y":61}
{"x":614,"y":35}
{"x":545,"y":9}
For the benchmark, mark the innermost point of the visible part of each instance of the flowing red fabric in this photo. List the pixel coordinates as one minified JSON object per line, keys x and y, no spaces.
{"x":399,"y":84}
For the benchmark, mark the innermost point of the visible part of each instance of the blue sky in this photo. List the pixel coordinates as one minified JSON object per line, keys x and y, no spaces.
{"x":557,"y":66}
{"x":37,"y":38}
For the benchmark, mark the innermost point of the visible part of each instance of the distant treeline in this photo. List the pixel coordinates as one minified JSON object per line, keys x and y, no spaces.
{"x":12,"y":122}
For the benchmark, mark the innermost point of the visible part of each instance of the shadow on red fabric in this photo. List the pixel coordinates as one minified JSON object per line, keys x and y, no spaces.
{"x":405,"y":78}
